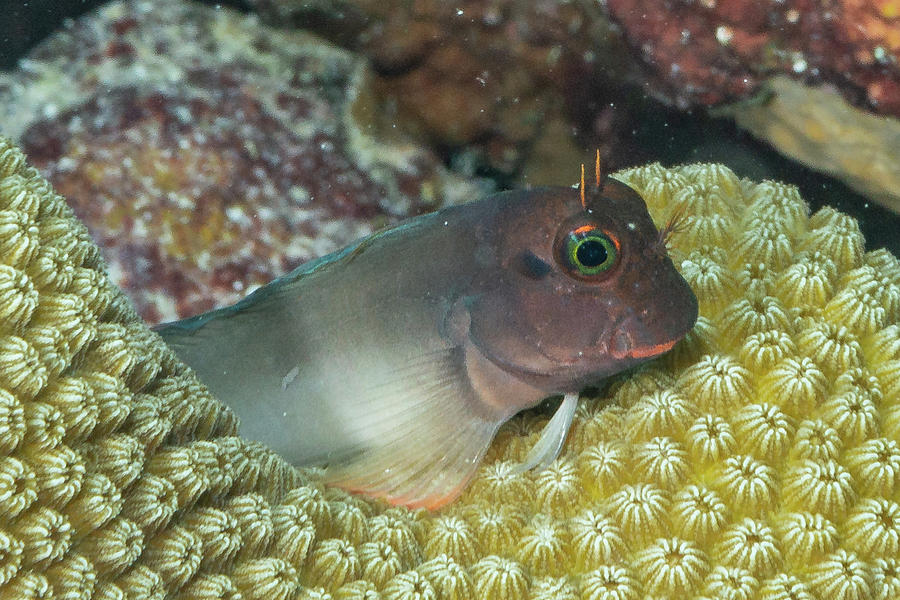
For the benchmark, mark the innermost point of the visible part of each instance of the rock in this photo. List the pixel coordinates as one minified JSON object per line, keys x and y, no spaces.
{"x":207,"y":153}
{"x":709,"y":52}
{"x":817,"y":127}
{"x":479,"y":78}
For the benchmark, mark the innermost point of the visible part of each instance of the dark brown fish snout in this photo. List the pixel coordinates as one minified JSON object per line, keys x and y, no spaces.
{"x":662,"y":316}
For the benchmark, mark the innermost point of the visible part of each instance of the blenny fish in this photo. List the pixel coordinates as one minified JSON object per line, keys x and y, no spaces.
{"x":393,"y":362}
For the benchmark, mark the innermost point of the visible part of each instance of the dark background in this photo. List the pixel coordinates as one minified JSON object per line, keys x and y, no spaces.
{"x":668,"y":135}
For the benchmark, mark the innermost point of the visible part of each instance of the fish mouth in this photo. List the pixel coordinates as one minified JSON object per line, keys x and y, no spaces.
{"x":646,"y":335}
{"x":610,"y":354}
{"x":581,"y":367}
{"x":642,"y":352}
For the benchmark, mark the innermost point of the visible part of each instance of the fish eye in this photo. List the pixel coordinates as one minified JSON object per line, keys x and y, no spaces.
{"x":587,"y":251}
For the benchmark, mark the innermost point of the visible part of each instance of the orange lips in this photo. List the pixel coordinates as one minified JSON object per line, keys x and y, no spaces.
{"x":650,"y":351}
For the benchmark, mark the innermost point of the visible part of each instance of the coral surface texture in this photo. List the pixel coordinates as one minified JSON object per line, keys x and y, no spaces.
{"x":760,"y":459}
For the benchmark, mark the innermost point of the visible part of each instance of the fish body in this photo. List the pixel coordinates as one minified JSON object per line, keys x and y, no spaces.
{"x":394,"y":361}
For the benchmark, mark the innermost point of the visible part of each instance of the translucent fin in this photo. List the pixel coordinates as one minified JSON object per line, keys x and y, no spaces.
{"x":415,"y":440}
{"x":547,"y":448}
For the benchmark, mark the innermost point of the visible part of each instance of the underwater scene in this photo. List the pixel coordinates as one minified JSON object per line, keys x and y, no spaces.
{"x":427,"y":300}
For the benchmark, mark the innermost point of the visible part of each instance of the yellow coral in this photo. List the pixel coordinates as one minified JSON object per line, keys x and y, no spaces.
{"x":450,"y":536}
{"x":781,"y":203}
{"x":497,"y":577}
{"x":265,"y":579}
{"x":842,"y":575}
{"x":833,"y":347}
{"x":826,"y":487}
{"x":698,"y":513}
{"x":763,"y":431}
{"x":642,"y":510}
{"x":885,"y":578}
{"x":604,"y":466}
{"x":804,"y":283}
{"x":380,"y":562}
{"x":837,"y":236}
{"x":662,"y":459}
{"x":730,"y":584}
{"x":670,"y":564}
{"x":19,"y":487}
{"x":554,"y":588}
{"x":760,"y":352}
{"x":543,"y":546}
{"x":873,"y":528}
{"x":596,"y":540}
{"x":558,"y":487}
{"x":448,"y":578}
{"x":785,"y":587}
{"x":755,"y":313}
{"x":659,"y":413}
{"x":712,"y":281}
{"x":876,"y":466}
{"x":797,"y":386}
{"x":717,"y":383}
{"x":609,"y":583}
{"x":817,"y":441}
{"x":761,"y":458}
{"x":749,"y":484}
{"x":765,"y":242}
{"x":710,"y":439}
{"x":807,"y":537}
{"x":334,"y":562}
{"x":750,"y":545}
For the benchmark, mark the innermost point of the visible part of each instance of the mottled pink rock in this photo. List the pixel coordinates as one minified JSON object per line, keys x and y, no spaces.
{"x":208,"y":154}
{"x":713,"y":51}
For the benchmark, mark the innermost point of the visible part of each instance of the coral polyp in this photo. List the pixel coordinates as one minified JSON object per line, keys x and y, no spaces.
{"x":760,"y":459}
{"x":609,"y":583}
{"x":807,"y":537}
{"x":596,"y":540}
{"x":698,"y":513}
{"x":748,"y":483}
{"x":671,"y":564}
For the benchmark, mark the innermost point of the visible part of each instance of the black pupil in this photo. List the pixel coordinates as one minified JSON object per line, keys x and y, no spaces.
{"x":591,"y":253}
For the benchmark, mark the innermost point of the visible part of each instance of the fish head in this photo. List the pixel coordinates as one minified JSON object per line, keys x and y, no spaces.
{"x":578,"y":287}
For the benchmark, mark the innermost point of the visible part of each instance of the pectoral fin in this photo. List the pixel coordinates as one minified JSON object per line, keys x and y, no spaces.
{"x":548,"y":446}
{"x":418,"y":438}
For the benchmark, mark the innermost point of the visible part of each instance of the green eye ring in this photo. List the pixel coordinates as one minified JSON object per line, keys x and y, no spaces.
{"x":589,"y":251}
